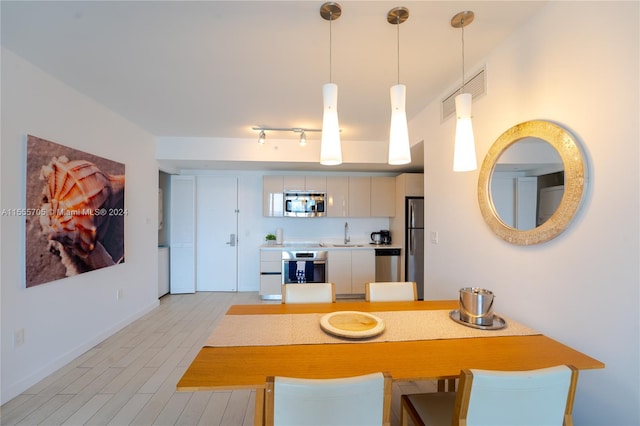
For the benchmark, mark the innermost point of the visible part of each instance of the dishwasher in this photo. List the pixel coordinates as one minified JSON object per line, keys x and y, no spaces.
{"x":387,"y":264}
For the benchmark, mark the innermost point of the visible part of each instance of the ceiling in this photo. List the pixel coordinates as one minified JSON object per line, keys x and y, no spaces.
{"x":218,"y":68}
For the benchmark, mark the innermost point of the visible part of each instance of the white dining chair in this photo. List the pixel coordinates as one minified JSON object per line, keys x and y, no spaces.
{"x":391,"y":291}
{"x":308,"y":293}
{"x":513,"y":398}
{"x":351,"y":401}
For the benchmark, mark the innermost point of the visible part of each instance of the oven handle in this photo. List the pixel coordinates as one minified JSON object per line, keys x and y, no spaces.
{"x":285,"y":268}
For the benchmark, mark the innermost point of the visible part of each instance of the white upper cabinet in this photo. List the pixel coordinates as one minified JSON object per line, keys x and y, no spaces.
{"x":316,"y":183}
{"x":383,"y":196}
{"x":359,"y":196}
{"x":337,"y":196}
{"x":272,"y":196}
{"x":305,"y":183}
{"x":293,"y":183}
{"x":347,"y":196}
{"x":412,"y":184}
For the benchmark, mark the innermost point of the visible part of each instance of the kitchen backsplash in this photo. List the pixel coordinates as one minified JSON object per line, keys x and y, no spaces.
{"x":325,"y":229}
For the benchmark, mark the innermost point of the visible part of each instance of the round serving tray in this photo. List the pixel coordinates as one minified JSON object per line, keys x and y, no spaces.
{"x":498,"y":322}
{"x":352,"y":324}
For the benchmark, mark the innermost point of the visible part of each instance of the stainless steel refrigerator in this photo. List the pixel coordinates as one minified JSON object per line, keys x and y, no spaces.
{"x":414,"y":244}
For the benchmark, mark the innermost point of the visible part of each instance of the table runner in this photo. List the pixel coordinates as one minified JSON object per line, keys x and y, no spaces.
{"x":293,"y":329}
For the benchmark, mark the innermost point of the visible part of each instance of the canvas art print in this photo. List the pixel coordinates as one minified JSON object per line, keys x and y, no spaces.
{"x":74,"y":214}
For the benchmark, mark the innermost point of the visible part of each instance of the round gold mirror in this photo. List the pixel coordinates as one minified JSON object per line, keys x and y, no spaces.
{"x":531,"y":182}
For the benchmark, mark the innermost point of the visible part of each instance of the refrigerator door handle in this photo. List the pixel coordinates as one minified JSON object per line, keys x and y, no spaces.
{"x":412,"y":219}
{"x":411,"y":244}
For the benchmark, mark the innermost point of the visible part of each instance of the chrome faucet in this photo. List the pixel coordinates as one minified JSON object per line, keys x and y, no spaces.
{"x":346,"y":233}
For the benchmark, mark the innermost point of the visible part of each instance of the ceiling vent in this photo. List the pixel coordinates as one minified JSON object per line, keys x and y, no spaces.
{"x":476,"y":85}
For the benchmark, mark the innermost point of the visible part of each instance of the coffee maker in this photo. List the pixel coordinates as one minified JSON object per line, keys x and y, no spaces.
{"x":382,"y":237}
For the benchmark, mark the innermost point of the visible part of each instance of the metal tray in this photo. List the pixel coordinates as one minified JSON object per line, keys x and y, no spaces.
{"x":498,"y":322}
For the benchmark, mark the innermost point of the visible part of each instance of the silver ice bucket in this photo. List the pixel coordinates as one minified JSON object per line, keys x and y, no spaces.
{"x":476,"y":306}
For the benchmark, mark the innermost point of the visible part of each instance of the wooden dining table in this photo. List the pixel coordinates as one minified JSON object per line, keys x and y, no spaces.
{"x":247,"y":366}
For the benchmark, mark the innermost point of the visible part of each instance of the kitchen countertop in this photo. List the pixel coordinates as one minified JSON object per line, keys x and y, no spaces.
{"x":327,"y":246}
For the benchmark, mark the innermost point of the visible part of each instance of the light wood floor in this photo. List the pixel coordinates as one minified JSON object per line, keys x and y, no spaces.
{"x":130,"y":378}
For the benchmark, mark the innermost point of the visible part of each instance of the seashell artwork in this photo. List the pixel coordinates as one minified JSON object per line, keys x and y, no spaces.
{"x":80,"y":212}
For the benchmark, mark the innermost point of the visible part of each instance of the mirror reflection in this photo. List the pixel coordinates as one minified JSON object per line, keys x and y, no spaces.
{"x":527,"y":183}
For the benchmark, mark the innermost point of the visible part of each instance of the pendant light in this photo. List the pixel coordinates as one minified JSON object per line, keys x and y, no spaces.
{"x":464,"y":152}
{"x":330,"y":148}
{"x":399,"y":148}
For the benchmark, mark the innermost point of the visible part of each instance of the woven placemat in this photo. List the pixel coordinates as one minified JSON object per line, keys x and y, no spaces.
{"x":294,"y":329}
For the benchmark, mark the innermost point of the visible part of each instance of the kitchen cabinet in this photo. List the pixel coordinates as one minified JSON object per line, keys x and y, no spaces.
{"x":272,"y":196}
{"x":363,"y":269}
{"x":359,"y":196}
{"x":293,"y":183}
{"x":410,"y":184}
{"x":271,"y":274}
{"x":337,"y":196}
{"x":183,"y":234}
{"x":339,"y":270}
{"x":315,"y":183}
{"x":305,"y":183}
{"x":273,"y":188}
{"x":383,"y":196}
{"x":349,"y":270}
{"x":347,"y":196}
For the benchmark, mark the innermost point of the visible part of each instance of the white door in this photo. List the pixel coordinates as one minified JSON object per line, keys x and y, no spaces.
{"x":182,"y":234}
{"x":217,"y":230}
{"x":526,"y":202}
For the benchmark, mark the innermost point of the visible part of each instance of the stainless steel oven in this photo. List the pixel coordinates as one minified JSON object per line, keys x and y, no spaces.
{"x":308,"y":266}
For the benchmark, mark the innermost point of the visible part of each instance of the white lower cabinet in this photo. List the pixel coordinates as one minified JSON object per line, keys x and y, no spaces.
{"x":339,"y":270}
{"x":349,"y":270}
{"x":271,"y":274}
{"x":363,"y":269}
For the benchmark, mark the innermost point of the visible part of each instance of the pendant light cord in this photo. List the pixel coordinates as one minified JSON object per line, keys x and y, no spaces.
{"x":462,"y":28}
{"x":330,"y":44}
{"x":398,"y":49}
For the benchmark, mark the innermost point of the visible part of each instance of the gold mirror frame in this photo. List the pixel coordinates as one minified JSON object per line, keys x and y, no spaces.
{"x":574,"y":182}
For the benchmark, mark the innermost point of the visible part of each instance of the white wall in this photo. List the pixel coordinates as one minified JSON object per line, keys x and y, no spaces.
{"x":63,"y":319}
{"x":576,"y":63}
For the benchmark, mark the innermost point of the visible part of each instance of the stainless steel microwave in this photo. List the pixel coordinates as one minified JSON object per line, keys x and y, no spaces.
{"x":304,"y":204}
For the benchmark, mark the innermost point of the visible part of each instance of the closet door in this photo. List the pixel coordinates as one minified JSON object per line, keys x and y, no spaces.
{"x":183,"y":235}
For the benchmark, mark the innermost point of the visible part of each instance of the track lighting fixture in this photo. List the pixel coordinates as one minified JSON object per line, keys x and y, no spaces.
{"x":303,"y":133}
